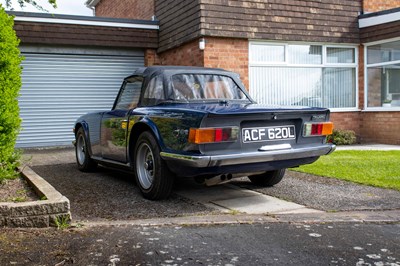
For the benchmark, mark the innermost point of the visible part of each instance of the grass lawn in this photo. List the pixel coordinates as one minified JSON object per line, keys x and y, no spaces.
{"x":374,"y":168}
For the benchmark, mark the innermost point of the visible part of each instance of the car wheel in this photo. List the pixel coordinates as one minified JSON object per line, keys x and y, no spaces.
{"x":152,"y":174}
{"x":268,"y":179}
{"x":85,"y":163}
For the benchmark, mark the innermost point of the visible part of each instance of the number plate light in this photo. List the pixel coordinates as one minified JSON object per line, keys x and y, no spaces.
{"x":317,"y":129}
{"x":213,"y":135}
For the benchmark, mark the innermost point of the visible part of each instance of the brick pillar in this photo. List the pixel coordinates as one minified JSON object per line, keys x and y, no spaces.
{"x":229,"y":54}
{"x":187,"y":54}
{"x":151,"y":57}
{"x":361,"y":78}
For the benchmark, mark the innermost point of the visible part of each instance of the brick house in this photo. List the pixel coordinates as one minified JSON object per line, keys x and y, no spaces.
{"x":344,"y":55}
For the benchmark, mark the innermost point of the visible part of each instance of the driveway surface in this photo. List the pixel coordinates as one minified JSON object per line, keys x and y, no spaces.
{"x":328,"y":194}
{"x":106,"y":206}
{"x":112,"y":195}
{"x":245,"y":244}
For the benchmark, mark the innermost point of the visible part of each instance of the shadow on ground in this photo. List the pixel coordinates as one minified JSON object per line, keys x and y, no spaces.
{"x":112,"y":195}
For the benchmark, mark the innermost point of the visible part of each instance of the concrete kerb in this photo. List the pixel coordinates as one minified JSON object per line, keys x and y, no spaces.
{"x":378,"y":217}
{"x":53,"y":208}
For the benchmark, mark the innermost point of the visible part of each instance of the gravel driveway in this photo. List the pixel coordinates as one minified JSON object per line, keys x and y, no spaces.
{"x":328,"y":194}
{"x":111,"y":195}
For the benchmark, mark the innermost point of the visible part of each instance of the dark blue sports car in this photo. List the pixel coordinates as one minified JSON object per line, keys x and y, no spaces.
{"x":201,"y":123}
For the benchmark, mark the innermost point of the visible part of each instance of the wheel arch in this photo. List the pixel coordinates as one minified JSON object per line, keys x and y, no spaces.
{"x":138,"y":129}
{"x":82,"y":124}
{"x":85,"y":127}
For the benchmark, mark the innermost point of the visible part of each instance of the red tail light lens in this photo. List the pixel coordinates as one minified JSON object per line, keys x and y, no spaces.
{"x":317,"y":129}
{"x":213,"y":135}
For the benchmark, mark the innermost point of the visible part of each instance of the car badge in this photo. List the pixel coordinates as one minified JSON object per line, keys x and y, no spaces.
{"x":318,"y":118}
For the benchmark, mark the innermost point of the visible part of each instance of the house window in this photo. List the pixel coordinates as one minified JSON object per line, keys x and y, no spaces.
{"x":303,"y":74}
{"x":383,"y":75}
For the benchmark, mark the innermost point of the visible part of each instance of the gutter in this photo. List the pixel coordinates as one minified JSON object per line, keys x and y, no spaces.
{"x":84,"y":20}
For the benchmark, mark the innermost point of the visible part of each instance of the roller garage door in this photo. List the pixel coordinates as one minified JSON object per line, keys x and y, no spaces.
{"x":57,"y":88}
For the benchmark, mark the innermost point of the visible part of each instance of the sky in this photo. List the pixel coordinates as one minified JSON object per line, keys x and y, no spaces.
{"x":70,"y":7}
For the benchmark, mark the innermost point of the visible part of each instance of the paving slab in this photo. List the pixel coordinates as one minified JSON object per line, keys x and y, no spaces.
{"x":228,"y":198}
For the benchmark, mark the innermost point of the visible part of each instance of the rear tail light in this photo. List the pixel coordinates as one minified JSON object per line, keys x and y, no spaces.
{"x":317,"y":129}
{"x":213,"y":135}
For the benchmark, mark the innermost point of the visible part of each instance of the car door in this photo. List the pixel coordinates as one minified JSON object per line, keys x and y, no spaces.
{"x":114,"y":124}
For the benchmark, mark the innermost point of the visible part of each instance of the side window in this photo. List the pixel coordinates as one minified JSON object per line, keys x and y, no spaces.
{"x":130,"y":94}
{"x":154,"y":92}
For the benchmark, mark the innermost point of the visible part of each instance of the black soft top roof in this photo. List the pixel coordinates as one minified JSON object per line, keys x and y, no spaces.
{"x":164,"y":90}
{"x":172,"y":70}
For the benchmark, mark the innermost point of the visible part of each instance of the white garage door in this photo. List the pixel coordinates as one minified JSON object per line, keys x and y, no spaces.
{"x":58,"y":88}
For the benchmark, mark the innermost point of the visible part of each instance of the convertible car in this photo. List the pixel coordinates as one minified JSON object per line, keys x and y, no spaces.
{"x":199,"y":123}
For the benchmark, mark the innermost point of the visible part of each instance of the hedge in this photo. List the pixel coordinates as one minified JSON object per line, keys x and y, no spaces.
{"x":10,"y":84}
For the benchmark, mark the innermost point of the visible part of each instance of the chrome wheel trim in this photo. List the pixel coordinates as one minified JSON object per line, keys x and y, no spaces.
{"x":81,"y":149}
{"x":145,"y":165}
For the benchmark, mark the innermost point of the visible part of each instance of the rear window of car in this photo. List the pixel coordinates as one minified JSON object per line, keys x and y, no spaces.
{"x":188,"y":87}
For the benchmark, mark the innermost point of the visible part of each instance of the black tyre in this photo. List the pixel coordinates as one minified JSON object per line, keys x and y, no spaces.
{"x":85,"y":163}
{"x":153,"y":177}
{"x":268,"y":179}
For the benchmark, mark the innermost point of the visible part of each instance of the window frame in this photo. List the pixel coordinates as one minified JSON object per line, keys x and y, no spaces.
{"x":122,"y":89}
{"x":324,"y":64}
{"x":366,"y":66}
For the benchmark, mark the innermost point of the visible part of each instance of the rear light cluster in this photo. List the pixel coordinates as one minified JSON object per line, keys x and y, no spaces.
{"x":317,"y":129}
{"x":213,"y":135}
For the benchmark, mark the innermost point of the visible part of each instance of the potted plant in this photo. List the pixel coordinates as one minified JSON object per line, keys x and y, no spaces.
{"x":387,"y":103}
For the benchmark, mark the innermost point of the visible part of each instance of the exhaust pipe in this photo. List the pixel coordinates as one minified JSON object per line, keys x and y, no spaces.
{"x":220,"y":179}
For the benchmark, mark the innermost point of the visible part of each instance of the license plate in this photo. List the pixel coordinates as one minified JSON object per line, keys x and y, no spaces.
{"x":259,"y":134}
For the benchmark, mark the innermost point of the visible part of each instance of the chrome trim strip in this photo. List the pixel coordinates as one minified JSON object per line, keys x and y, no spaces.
{"x":249,"y":157}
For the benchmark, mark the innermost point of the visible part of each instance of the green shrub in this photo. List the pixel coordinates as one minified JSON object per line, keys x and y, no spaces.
{"x":342,"y":137}
{"x":10,"y":84}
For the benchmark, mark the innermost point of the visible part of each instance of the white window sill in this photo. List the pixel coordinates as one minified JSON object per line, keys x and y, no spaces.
{"x":382,"y":109}
{"x":344,"y":110}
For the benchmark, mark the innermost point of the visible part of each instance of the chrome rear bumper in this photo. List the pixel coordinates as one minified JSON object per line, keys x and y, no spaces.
{"x":249,"y":157}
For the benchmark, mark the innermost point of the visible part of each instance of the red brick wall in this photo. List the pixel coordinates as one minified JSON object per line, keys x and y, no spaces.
{"x":188,"y":54}
{"x":229,"y":54}
{"x":143,"y":9}
{"x":151,"y":58}
{"x":379,"y":5}
{"x":348,"y":121}
{"x":370,"y":127}
{"x":380,"y":127}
